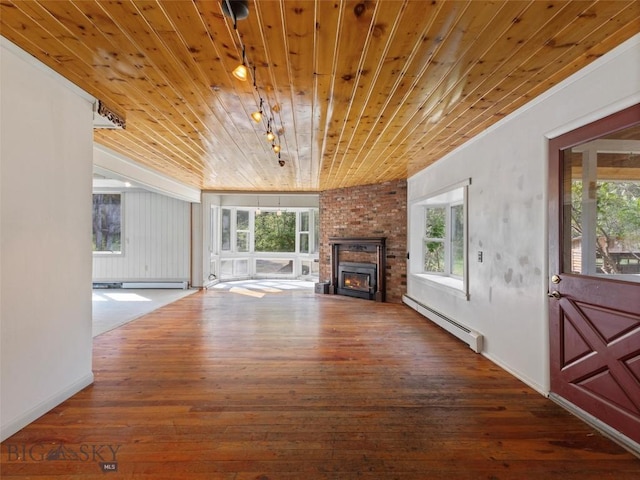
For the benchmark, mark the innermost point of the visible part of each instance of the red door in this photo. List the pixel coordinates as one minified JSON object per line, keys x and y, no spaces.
{"x":594,"y":270}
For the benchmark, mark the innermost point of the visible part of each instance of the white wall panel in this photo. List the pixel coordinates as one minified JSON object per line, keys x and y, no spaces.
{"x":45,"y":246}
{"x":156,"y":241}
{"x":508,"y":212}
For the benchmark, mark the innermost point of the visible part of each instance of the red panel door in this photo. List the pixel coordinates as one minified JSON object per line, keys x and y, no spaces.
{"x":594,"y":269}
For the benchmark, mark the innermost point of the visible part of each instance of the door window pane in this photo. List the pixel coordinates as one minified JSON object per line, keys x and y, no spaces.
{"x":602,"y":207}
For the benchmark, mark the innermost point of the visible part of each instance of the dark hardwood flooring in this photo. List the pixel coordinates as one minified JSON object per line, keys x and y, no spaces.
{"x":296,"y":385}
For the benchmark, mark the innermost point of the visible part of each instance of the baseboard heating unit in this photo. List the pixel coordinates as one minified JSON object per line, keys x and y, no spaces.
{"x":176,"y":285}
{"x":468,"y":336}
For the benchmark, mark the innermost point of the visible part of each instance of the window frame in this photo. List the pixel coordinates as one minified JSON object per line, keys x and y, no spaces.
{"x":449,"y":198}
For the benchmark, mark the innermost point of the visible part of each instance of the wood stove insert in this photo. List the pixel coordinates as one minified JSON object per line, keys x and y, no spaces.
{"x":376,"y":271}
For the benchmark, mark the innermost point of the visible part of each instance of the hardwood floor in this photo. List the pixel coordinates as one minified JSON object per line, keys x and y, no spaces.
{"x":296,"y":385}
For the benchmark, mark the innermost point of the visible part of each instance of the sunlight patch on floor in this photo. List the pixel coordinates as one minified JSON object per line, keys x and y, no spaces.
{"x":247,"y":292}
{"x":118,"y":297}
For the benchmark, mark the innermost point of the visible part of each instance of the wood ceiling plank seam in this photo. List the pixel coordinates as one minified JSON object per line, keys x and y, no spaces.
{"x":340,"y":91}
{"x":146,"y":157}
{"x":51,"y":60}
{"x":107,"y":39}
{"x":416,"y":81}
{"x":474,"y":124}
{"x":160,"y":139}
{"x":325,"y":127}
{"x":585,"y":43}
{"x":372,"y":83}
{"x":362,"y":29}
{"x":294,"y":159}
{"x":514,"y":103}
{"x":316,"y":102}
{"x":270,"y":97}
{"x":173,"y":104}
{"x":296,"y":122}
{"x":352,"y":97}
{"x":451,"y":89}
{"x":474,"y":121}
{"x":259,"y":140}
{"x":417,"y":143}
{"x":516,"y":52}
{"x":57,"y":21}
{"x":443,"y":26}
{"x":188,"y":46}
{"x":274,"y":51}
{"x":185,"y":47}
{"x":389,"y":97}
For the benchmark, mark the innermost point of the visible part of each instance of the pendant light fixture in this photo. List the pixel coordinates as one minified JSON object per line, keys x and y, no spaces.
{"x":241,"y":72}
{"x":270,"y":135}
{"x":257,"y":116}
{"x":276,"y":148}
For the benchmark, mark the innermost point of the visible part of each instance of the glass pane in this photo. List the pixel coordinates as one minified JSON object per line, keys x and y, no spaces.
{"x":434,"y":226}
{"x":275,"y":233}
{"x":274,"y":266}
{"x":457,"y":240}
{"x":316,"y":232}
{"x":242,"y":220}
{"x":304,"y":221}
{"x":602,"y":208}
{"x":434,"y":256}
{"x":226,"y":268}
{"x":304,"y":243}
{"x":106,"y":223}
{"x":241,"y":267}
{"x":242,"y":241}
{"x":226,"y":229}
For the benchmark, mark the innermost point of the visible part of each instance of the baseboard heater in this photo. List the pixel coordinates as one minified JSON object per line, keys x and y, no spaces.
{"x":175,"y":285}
{"x":468,"y":336}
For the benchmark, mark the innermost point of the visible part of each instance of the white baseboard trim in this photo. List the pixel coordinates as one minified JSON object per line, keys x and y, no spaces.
{"x":13,"y":426}
{"x":523,"y":378}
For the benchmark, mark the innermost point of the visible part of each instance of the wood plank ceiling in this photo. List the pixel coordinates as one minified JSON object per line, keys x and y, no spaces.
{"x":360,"y":91}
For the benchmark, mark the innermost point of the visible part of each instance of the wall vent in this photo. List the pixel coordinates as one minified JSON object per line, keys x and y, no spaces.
{"x":468,"y":336}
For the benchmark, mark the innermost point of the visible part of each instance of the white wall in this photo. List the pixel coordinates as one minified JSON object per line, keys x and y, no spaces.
{"x":155,"y":240}
{"x":114,"y":165}
{"x":45,"y":248}
{"x":508,"y":210}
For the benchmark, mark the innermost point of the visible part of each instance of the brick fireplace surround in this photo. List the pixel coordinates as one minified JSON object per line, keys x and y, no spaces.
{"x":368,"y":211}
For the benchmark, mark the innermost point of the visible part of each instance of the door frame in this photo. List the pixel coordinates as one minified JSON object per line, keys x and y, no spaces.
{"x":617,"y":121}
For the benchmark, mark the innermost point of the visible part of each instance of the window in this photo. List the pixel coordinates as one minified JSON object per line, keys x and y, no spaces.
{"x":304,"y":232}
{"x":440,"y":244}
{"x":242,"y":231}
{"x":275,"y":232}
{"x":225,"y":240}
{"x":107,"y":223}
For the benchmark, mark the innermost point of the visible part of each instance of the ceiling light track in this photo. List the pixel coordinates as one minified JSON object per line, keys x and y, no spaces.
{"x":238,"y":10}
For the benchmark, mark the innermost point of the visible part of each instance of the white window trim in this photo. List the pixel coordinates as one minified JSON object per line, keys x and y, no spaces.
{"x":445,"y":282}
